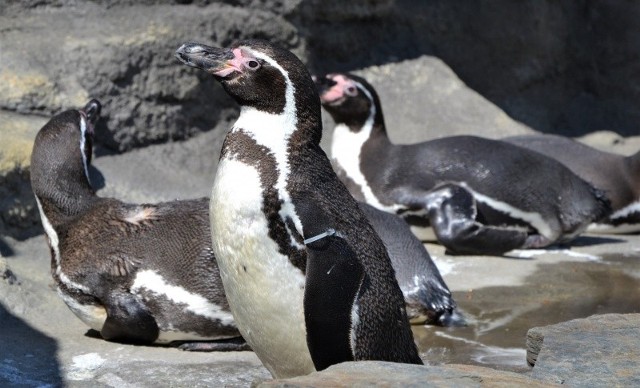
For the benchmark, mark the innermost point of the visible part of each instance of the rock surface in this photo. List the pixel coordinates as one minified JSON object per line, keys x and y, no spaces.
{"x":601,"y":350}
{"x":364,"y":373}
{"x":570,"y":68}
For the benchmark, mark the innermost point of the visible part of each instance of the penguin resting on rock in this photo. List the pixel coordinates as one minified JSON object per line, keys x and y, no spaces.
{"x":135,"y":273}
{"x":480,"y":196}
{"x":616,"y":175}
{"x":308,"y":280}
{"x":426,"y":295}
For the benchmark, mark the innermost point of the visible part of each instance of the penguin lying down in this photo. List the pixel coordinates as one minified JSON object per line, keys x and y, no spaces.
{"x":618,"y":176}
{"x":480,"y":196}
{"x":146,"y":273}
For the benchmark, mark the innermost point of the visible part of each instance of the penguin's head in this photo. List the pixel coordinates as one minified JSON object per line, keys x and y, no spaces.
{"x":63,"y":147}
{"x":257,"y":74}
{"x":349,"y":99}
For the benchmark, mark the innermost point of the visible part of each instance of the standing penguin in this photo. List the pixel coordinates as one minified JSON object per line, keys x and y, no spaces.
{"x":135,"y":273}
{"x":616,"y":175}
{"x":480,"y":196}
{"x":308,"y":280}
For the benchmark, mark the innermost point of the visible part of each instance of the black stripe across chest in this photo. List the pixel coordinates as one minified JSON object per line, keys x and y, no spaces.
{"x":241,"y":147}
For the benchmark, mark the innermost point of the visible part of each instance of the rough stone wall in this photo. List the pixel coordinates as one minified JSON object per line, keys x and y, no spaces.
{"x":563,"y":67}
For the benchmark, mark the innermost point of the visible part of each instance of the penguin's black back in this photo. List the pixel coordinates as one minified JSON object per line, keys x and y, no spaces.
{"x":482,"y":165}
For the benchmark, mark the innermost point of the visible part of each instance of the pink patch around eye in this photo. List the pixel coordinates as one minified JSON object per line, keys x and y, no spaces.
{"x":343,"y":86}
{"x":333,"y":94}
{"x":236,"y":64}
{"x":225,"y":72}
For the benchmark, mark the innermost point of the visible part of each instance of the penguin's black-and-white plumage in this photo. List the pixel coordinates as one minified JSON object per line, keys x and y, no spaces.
{"x":426,"y":295}
{"x":480,"y":196}
{"x":618,"y":176}
{"x":135,"y":273}
{"x":286,"y":233}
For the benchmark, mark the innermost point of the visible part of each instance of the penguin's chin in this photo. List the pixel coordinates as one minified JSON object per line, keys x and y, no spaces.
{"x":330,"y":98}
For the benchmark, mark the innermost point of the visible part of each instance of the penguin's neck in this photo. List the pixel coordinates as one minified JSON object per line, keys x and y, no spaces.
{"x":354,"y":142}
{"x":63,"y":196}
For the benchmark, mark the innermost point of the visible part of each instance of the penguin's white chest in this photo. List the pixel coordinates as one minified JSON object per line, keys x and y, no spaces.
{"x":265,"y":291}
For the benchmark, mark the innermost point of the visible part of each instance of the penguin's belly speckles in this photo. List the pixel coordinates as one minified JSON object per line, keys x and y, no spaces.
{"x":265,"y":291}
{"x":91,"y":315}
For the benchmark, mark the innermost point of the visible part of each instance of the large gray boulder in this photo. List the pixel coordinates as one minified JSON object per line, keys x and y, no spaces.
{"x":601,"y":350}
{"x":387,"y":374}
{"x":124,"y":57}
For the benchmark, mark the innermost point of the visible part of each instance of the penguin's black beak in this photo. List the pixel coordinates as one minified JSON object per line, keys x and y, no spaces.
{"x":214,"y":60}
{"x":323,"y":83}
{"x":92,"y":111}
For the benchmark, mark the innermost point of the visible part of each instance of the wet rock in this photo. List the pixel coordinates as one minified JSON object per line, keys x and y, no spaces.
{"x":601,"y":350}
{"x":368,"y":373}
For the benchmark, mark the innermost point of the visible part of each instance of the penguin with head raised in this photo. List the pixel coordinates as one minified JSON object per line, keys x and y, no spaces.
{"x":618,"y":176}
{"x":135,"y":273}
{"x":480,"y":196}
{"x":308,"y":280}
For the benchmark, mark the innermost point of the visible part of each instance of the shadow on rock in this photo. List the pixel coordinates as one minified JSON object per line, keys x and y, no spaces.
{"x":27,"y":357}
{"x":96,"y":178}
{"x":5,"y":249}
{"x":585,"y":241}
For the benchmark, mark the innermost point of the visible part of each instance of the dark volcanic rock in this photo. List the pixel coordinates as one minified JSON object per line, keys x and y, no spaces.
{"x":124,"y":57}
{"x":601,"y":350}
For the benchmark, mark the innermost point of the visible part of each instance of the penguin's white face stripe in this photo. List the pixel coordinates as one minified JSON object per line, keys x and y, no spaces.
{"x":534,"y":219}
{"x":273,"y":131}
{"x":83,"y":130}
{"x":194,"y":303}
{"x":92,"y":315}
{"x":343,"y":145}
{"x":55,"y":246}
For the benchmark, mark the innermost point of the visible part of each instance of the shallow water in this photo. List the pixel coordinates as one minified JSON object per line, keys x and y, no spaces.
{"x":499,"y":317}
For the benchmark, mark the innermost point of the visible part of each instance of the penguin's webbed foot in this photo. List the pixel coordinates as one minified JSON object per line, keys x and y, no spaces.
{"x":452,"y":214}
{"x":536,"y":241}
{"x":128,"y":320}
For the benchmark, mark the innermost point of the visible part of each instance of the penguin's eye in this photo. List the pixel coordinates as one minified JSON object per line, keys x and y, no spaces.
{"x":351,"y":91}
{"x":253,"y":64}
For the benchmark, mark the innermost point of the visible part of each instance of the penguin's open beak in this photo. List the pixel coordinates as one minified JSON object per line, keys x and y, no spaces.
{"x":214,"y":60}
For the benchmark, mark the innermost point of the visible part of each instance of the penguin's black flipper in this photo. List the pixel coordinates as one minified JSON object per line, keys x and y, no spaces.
{"x":128,"y":320}
{"x":452,"y":214}
{"x":333,"y":279}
